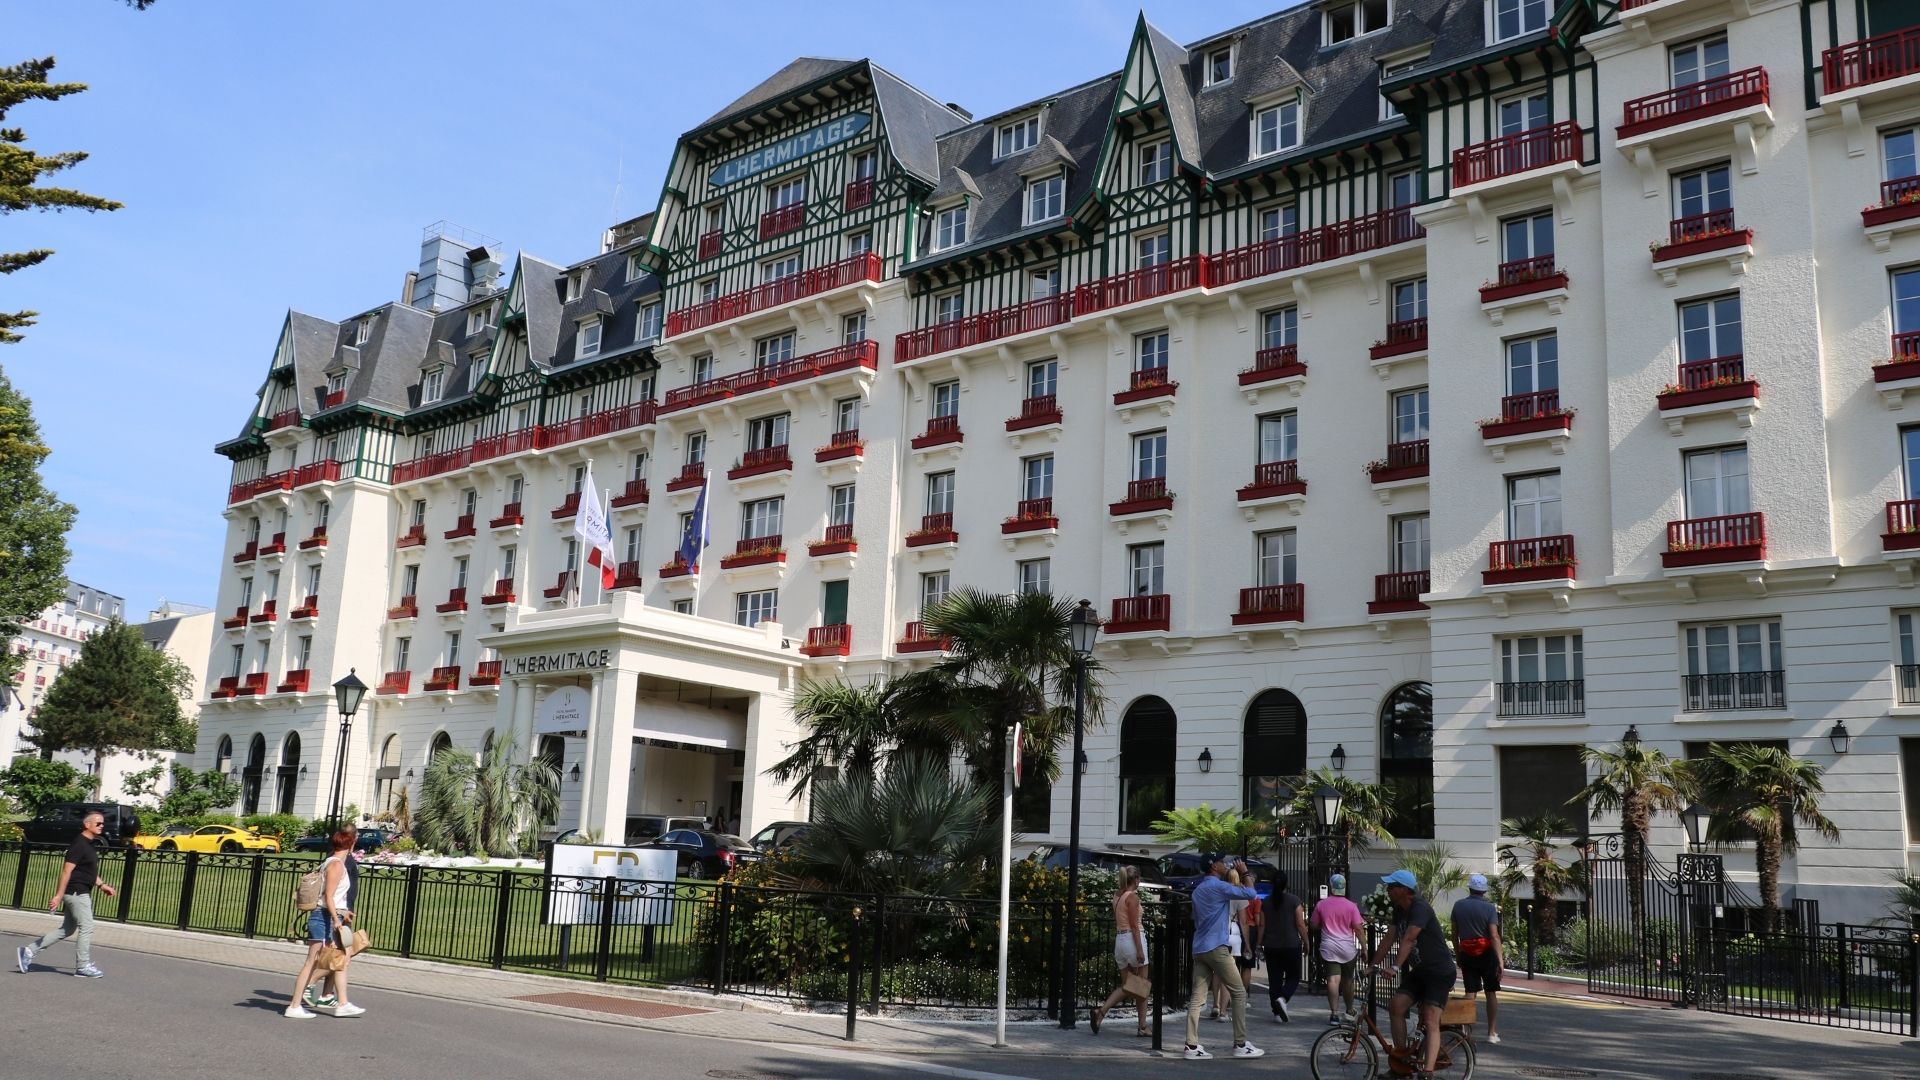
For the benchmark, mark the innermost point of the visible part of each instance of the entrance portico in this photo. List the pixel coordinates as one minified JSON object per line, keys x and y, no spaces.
{"x":661,"y":705}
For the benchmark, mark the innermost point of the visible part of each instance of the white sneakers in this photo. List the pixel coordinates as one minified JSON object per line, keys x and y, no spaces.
{"x":297,"y":1011}
{"x":348,"y":1009}
{"x":1244,"y":1050}
{"x":1198,"y":1053}
{"x":1494,"y":1038}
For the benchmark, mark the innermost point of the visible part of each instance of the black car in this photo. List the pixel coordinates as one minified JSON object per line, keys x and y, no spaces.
{"x":1183,"y":870}
{"x":1054,"y":857}
{"x":778,"y":835}
{"x":703,"y":854}
{"x":60,"y":823}
{"x":368,"y":840}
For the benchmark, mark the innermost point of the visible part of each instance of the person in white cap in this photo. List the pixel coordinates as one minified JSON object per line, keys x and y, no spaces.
{"x":1476,"y":941}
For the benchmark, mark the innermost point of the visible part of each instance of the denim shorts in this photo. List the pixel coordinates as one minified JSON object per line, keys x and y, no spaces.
{"x":319,"y":927}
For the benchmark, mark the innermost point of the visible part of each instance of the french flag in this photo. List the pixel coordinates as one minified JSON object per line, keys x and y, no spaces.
{"x":592,"y":528}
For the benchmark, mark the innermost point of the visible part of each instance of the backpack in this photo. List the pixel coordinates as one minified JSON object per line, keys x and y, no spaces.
{"x":306,"y":892}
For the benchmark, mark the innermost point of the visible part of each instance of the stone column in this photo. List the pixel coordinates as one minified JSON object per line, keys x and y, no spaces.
{"x":590,"y":756}
{"x":610,"y":749}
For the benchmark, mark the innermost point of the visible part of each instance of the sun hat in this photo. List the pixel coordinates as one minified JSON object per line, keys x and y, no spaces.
{"x":1337,"y":884}
{"x":1477,"y":883}
{"x":1402,"y":878}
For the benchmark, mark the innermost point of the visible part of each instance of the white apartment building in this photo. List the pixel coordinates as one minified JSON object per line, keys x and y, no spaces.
{"x":1200,"y":340}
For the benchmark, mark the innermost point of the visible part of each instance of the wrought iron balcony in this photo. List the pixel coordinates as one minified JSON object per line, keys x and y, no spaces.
{"x":1404,"y":461}
{"x":1145,"y":383}
{"x":1279,"y":362}
{"x":762,"y":460}
{"x":1704,"y":382}
{"x":1559,"y":697}
{"x":843,"y":444}
{"x":1272,"y":479}
{"x":1031,"y":515}
{"x":1038,"y":410}
{"x":1735,"y":690}
{"x":1143,"y":496}
{"x":940,"y":431}
{"x":1907,"y":679}
{"x":1404,"y":336}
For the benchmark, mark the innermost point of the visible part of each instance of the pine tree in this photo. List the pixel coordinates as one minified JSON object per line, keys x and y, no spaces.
{"x":120,"y":695}
{"x":33,"y":527}
{"x":21,"y":170}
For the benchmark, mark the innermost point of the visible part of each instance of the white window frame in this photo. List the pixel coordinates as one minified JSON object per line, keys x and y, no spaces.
{"x":1719,"y":475}
{"x":949,"y":307}
{"x":950,"y":227}
{"x":477,"y":319}
{"x":586,"y":342}
{"x":762,"y":518}
{"x":1541,"y":9}
{"x":1716,"y":333}
{"x":1017,"y":136}
{"x":1155,"y":161}
{"x":1540,"y":656}
{"x":1276,"y":558}
{"x":1212,"y":75}
{"x":1147,"y":569}
{"x":756,"y":607}
{"x":647,"y":322}
{"x":1046,"y":198}
{"x":935,"y":586}
{"x":1288,"y":118}
{"x":1149,"y":458}
{"x":433,"y":384}
{"x":1357,"y":10}
{"x":1034,"y":576}
{"x":1534,"y":506}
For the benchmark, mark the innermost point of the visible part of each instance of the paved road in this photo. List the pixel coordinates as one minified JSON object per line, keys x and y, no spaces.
{"x":158,"y":1017}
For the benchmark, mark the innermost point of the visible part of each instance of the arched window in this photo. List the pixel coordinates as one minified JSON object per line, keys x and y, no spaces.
{"x":1406,"y":759}
{"x":1149,"y":740}
{"x":486,"y":745}
{"x":287,"y":777}
{"x":223,"y":756}
{"x":553,"y":751}
{"x":441,"y":741}
{"x":250,"y":777}
{"x":1273,"y":748}
{"x":386,"y":778}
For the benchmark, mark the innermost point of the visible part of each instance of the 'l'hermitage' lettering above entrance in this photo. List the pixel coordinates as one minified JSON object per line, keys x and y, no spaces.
{"x":561,"y":661}
{"x":740,"y":168}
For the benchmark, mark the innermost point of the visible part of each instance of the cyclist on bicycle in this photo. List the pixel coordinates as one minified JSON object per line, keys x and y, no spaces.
{"x":1422,"y":961}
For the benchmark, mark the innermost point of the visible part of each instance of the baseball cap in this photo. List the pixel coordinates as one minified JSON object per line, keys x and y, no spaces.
{"x":1402,"y":878}
{"x":1337,"y":884}
{"x":1477,"y":883}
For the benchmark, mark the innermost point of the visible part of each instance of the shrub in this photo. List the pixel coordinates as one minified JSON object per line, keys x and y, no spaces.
{"x":1601,"y":946}
{"x":10,"y":833}
{"x":284,"y":827}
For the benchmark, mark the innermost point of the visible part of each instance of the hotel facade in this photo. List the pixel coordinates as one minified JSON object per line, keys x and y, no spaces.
{"x":1423,"y":388}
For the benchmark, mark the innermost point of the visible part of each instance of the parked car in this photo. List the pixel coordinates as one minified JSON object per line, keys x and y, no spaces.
{"x":1182,"y":870}
{"x":778,"y":835}
{"x":60,"y":823}
{"x":207,"y":838}
{"x":1054,"y":857}
{"x":368,"y":840}
{"x":645,"y":828}
{"x":704,"y":854}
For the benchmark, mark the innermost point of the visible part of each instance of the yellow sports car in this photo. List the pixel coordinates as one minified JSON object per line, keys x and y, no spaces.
{"x":207,"y":838}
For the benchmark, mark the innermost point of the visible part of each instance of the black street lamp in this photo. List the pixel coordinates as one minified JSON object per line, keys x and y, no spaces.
{"x":1631,"y":740}
{"x":1840,"y":737}
{"x":1696,"y":818}
{"x":1083,"y":626}
{"x":346,"y":694}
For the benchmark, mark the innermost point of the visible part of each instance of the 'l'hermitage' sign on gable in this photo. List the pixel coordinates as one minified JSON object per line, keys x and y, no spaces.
{"x":734,"y":170}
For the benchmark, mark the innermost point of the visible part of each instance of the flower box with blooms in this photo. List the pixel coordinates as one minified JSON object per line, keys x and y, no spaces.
{"x":1896,"y":369}
{"x":1708,"y":392}
{"x":1712,"y":238}
{"x":1901,"y":202}
{"x":925,"y":537}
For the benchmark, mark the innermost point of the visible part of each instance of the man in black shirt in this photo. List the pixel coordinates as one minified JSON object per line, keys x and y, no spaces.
{"x":78,"y":878}
{"x":1421,"y":959}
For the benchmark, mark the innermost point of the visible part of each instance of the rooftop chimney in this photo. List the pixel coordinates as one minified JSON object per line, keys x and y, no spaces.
{"x":443,"y":280}
{"x":483,"y":270}
{"x":960,"y":110}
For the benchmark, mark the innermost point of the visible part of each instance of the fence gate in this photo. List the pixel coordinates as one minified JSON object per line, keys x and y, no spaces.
{"x":1646,"y":923}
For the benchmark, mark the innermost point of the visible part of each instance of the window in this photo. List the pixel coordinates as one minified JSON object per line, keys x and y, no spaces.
{"x":840,"y":504}
{"x":859,"y":243}
{"x":1512,"y":18}
{"x":1529,"y":237}
{"x":1149,"y":746}
{"x":1155,"y":250}
{"x":638,"y":470}
{"x":940,"y":493}
{"x":477,"y":319}
{"x":1544,"y":782}
{"x":791,"y":192}
{"x":950,"y":228}
{"x":946,"y":398}
{"x":1910,"y":784}
{"x":709,"y":290}
{"x":1406,"y":760}
{"x":846,"y":415}
{"x":1710,"y":329}
{"x":760,"y":517}
{"x":516,"y":487}
{"x":460,"y":572}
{"x":683,"y":607}
{"x":1150,"y":456}
{"x":1046,"y":198}
{"x":1702,"y":191}
{"x":696,"y":448}
{"x":1147,"y":569}
{"x":1036,"y":576}
{"x":337,"y":382}
{"x":1533,"y":506}
{"x":702,"y":368}
{"x":1036,"y":477}
{"x":410,"y":581}
{"x":363,"y":331}
{"x":1022,"y":134}
{"x":648,"y":325}
{"x":754,"y":608}
{"x":1523,"y":114}
{"x":476,"y":370}
{"x":1409,"y":300}
{"x":453,"y":648}
{"x":866,"y":165}
{"x":1410,"y":415}
{"x":783,"y":267}
{"x":1275,"y":559}
{"x":573,"y":555}
{"x":1412,"y":544}
{"x":576,"y":285}
{"x":508,"y":558}
{"x":767,"y":432}
{"x":1906,"y":301}
{"x":432,"y":384}
{"x":1910,"y":461}
{"x":1344,"y":21}
{"x":1219,"y":65}
{"x":635,"y":269}
{"x":1699,"y":61}
{"x":1533,"y":364}
{"x":1734,"y":665}
{"x":303,"y":652}
{"x":1280,"y":327}
{"x":313,"y":581}
{"x":1043,"y":378}
{"x":1542,"y":675}
{"x":1043,"y":282}
{"x":769,"y":351}
{"x":1717,"y":482}
{"x":1280,"y":437}
{"x":402,"y":648}
{"x":1276,"y":128}
{"x":947,"y":307}
{"x":633,"y":545}
{"x":1403,"y":188}
{"x":1279,"y":221}
{"x":933,"y":589}
{"x":588,"y":343}
{"x":1156,"y":161}
{"x":1150,"y":351}
{"x":579,"y":478}
{"x":1389,"y":72}
{"x":853,"y":328}
{"x":1900,"y":150}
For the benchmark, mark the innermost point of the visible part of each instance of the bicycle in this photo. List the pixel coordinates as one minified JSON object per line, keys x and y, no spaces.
{"x":1352,"y":1051}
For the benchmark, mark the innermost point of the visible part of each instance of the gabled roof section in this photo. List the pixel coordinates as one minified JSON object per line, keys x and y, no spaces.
{"x":801,"y":72}
{"x":1169,"y":62}
{"x":914,"y":122}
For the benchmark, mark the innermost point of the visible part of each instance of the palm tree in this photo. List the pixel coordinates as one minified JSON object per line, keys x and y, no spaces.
{"x":1214,"y":831}
{"x":1533,"y":856}
{"x":912,"y":831}
{"x":1765,"y":793}
{"x":485,"y":803}
{"x":1434,"y":868}
{"x":1365,"y":808}
{"x":1637,"y":781}
{"x":1903,"y":907}
{"x":852,"y":728}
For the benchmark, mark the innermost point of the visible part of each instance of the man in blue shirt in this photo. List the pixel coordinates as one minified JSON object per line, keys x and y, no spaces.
{"x":1212,"y":908}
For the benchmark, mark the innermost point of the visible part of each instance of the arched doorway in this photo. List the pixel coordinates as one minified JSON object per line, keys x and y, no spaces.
{"x":486,"y":745}
{"x":1149,"y":740}
{"x":386,"y":778}
{"x":1406,"y":760}
{"x":553,"y":751}
{"x":287,"y":778}
{"x":223,"y":756}
{"x":1273,"y":748}
{"x":250,"y":776}
{"x":441,"y":741}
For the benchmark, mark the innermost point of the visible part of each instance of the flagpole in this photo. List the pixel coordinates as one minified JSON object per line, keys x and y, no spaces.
{"x":606,"y":508}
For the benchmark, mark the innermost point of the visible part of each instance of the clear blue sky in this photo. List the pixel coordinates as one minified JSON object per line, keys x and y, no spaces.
{"x":287,"y":155}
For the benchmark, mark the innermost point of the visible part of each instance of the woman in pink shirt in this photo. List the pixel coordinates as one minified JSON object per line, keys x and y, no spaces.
{"x":1339,"y":922}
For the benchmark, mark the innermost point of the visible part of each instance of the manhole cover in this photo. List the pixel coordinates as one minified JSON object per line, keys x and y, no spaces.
{"x":1548,"y":1072}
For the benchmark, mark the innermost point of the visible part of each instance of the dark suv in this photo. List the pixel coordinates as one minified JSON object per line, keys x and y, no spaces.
{"x":1184,"y":869}
{"x":1054,"y":857}
{"x":60,"y":823}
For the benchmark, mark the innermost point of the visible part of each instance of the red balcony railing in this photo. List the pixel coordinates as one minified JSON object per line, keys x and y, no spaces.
{"x":763,"y":459}
{"x":675,"y":567}
{"x":1903,"y":525}
{"x":1535,"y":558}
{"x":1036,"y":411}
{"x":407,"y":608}
{"x":936,"y":526}
{"x":315,"y":472}
{"x":1273,"y":478}
{"x":1405,"y":336}
{"x":502,"y":594}
{"x":286,"y":419}
{"x":568,"y":507}
{"x":1272,"y":603}
{"x":432,"y":465}
{"x":1539,"y":404}
{"x":836,"y":540}
{"x":863,"y":267}
{"x":1727,"y":538}
{"x":560,"y":583}
{"x":1875,"y":59}
{"x":1143,"y":496}
{"x":254,"y":684}
{"x":308,"y":609}
{"x":229,"y":687}
{"x":1722,"y":93}
{"x":627,"y":575}
{"x":276,"y":546}
{"x":444,"y":678}
{"x":486,"y":673}
{"x":518,"y":441}
{"x":594,"y":425}
{"x":1404,"y":461}
{"x":917,"y":639}
{"x":782,"y":219}
{"x":859,"y":193}
{"x":462,"y":527}
{"x":249,"y":553}
{"x":709,"y":245}
{"x":940,"y":429}
{"x":692,"y":475}
{"x":1706,"y":374}
{"x":253,"y":489}
{"x":1030,"y":515}
{"x":1278,"y":362}
{"x":858,"y":354}
{"x":843,"y":444}
{"x":296,"y":682}
{"x":987,"y":326}
{"x":1133,"y":614}
{"x":1323,"y":244}
{"x":838,"y":534}
{"x":1399,"y":591}
{"x":1522,"y":276}
{"x":1117,"y":290}
{"x":333,"y":399}
{"x":1516,"y":153}
{"x":267,"y":612}
{"x":415,"y":536}
{"x":834,"y":639}
{"x":1149,"y":382}
{"x":634,"y":494}
{"x":760,"y":545}
{"x":510,"y":515}
{"x":1696,"y":227}
{"x":456,"y":601}
{"x":395,"y":682}
{"x":237,"y":620}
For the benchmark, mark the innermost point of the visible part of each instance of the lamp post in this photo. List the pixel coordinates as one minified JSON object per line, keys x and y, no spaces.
{"x":1083,"y":627}
{"x":1326,"y":857}
{"x":1696,"y":818}
{"x":346,"y":694}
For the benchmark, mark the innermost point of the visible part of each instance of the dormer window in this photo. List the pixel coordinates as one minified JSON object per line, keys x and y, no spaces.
{"x":588,"y":342}
{"x":634,"y":270}
{"x":337,"y":383}
{"x":1219,"y":65}
{"x":476,"y":370}
{"x":1046,"y":198}
{"x":1513,"y":18}
{"x":575,"y":283}
{"x":648,"y":326}
{"x":1156,"y":161}
{"x":1389,"y":72}
{"x":1353,"y":18}
{"x":477,"y":320}
{"x":1022,"y":134}
{"x":1276,"y":128}
{"x":364,"y":331}
{"x":431,"y":384}
{"x":950,"y":228}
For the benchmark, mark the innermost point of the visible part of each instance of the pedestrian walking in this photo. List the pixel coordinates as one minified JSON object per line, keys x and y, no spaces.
{"x":1421,"y":959}
{"x":1129,"y":952}
{"x":1236,"y":947}
{"x":1476,"y":940}
{"x":1253,"y":933}
{"x":1212,"y":915}
{"x":325,"y":994}
{"x":79,"y":876}
{"x":1286,"y":920}
{"x":1339,"y":923}
{"x":324,"y":927}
